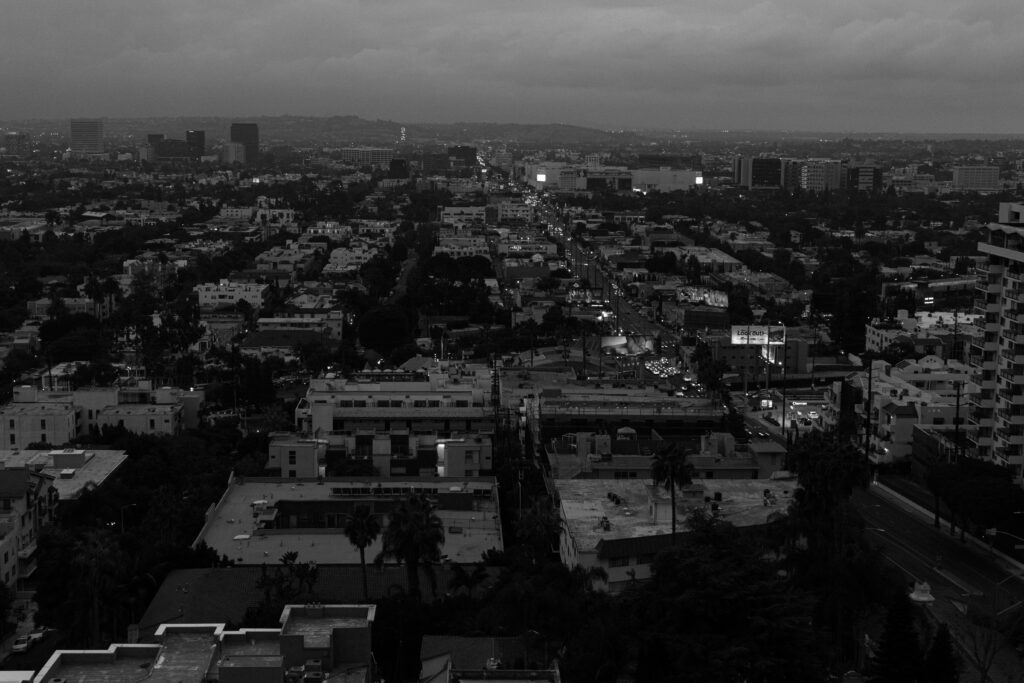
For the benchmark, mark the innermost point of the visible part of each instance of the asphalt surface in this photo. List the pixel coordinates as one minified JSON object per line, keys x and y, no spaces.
{"x":964,"y":576}
{"x":630,"y":319}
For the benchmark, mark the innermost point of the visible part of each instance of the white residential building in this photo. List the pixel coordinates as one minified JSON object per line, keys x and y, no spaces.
{"x":226,"y":293}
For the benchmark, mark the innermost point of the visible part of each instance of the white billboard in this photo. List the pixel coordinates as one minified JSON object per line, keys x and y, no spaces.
{"x":759,"y":335}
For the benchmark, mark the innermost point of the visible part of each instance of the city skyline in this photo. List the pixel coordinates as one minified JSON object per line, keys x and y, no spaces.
{"x":873,"y":67}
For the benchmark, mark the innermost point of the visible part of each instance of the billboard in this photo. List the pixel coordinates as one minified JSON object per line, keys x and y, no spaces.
{"x":759,"y":335}
{"x":702,"y":295}
{"x":628,"y":346}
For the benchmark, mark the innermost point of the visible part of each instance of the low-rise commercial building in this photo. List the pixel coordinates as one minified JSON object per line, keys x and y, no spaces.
{"x":314,"y":642}
{"x":257,"y":518}
{"x":621,"y":525}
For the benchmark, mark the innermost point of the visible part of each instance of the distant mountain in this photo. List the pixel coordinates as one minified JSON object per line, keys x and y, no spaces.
{"x":541,"y":134}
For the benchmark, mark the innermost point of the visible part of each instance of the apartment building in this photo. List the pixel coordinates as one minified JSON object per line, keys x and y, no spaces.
{"x":463,"y":216}
{"x":899,"y":402}
{"x":22,"y":424}
{"x":57,"y":417}
{"x":28,"y":500}
{"x":226,"y":293}
{"x":291,"y":259}
{"x":463,"y":246}
{"x":443,"y":400}
{"x":997,"y":358}
{"x":348,"y":260}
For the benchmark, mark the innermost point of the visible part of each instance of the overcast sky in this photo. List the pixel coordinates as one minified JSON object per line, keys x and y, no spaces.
{"x":858,"y":65}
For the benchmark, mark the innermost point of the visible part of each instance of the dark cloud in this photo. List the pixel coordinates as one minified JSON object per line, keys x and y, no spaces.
{"x":930,"y":65}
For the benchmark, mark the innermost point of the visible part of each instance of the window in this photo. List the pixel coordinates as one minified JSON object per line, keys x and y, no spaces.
{"x":42,"y":437}
{"x":291,"y":474}
{"x":12,"y":424}
{"x":42,"y":424}
{"x":470,"y":457}
{"x":618,"y":561}
{"x":12,"y":440}
{"x":152,"y":423}
{"x":291,"y":459}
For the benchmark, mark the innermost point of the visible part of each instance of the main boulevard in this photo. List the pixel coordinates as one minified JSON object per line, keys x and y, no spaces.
{"x":964,"y":576}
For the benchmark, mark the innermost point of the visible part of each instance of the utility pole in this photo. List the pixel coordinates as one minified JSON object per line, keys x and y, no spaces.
{"x":784,"y":356}
{"x":584,"y":349}
{"x":956,"y":424}
{"x":867,"y":411}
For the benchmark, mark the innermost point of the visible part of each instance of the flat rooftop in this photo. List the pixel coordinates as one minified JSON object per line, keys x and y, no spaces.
{"x":98,"y":466}
{"x":585,"y":503}
{"x":232,"y":527}
{"x":194,"y":652}
{"x":316,"y":624}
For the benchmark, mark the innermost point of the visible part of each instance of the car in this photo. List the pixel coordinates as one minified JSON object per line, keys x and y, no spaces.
{"x":21,"y":644}
{"x":38,"y":633}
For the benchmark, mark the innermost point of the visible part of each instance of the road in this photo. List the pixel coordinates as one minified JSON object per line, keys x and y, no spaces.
{"x":962,"y":576}
{"x":628,"y":318}
{"x":913,"y":543}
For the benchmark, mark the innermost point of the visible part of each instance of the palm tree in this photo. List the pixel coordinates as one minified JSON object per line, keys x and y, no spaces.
{"x":362,"y":529}
{"x":670,"y":469}
{"x":414,"y":534}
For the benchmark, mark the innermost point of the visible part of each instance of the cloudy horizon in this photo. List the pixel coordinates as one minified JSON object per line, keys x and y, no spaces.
{"x":915,"y":66}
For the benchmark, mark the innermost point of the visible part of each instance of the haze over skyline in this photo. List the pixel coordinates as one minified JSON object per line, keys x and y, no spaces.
{"x":914,"y":66}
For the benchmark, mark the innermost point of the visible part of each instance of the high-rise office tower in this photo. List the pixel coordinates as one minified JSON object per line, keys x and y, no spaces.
{"x":996,"y":411}
{"x":820,"y":175}
{"x":248,"y":135}
{"x":87,"y":136}
{"x":976,"y":178}
{"x":196,"y":140}
{"x":232,"y":153}
{"x":758,"y":173}
{"x":864,"y":178}
{"x":15,"y":144}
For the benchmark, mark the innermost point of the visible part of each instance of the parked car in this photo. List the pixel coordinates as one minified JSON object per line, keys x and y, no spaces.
{"x":38,"y":634}
{"x":22,"y":644}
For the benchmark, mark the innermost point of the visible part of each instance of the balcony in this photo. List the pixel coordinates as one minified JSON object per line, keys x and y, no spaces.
{"x":1013,"y":434}
{"x":27,"y":568}
{"x":1015,"y":414}
{"x":27,"y":549}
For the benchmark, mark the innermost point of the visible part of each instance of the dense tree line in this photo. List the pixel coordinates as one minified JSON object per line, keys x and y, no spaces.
{"x":102,"y":561}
